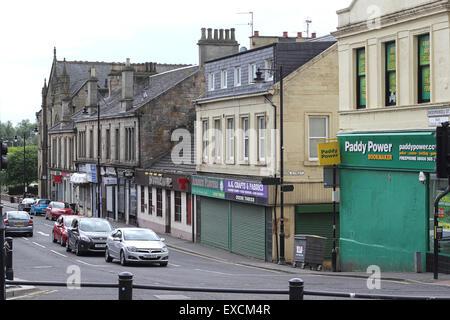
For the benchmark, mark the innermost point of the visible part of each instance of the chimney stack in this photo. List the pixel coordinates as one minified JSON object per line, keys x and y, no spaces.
{"x":92,"y":98}
{"x":127,"y":87}
{"x":313,"y":35}
{"x":213,"y":46}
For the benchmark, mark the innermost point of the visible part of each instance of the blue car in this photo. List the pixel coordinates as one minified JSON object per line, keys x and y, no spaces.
{"x":39,"y":206}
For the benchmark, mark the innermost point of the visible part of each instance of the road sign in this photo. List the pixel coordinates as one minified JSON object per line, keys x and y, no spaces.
{"x":287,"y":188}
{"x":270,"y":181}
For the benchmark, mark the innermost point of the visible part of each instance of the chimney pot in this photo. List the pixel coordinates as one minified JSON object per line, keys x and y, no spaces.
{"x":299,"y":34}
{"x":203,"y":34}
{"x":232,"y":34}
{"x":209,"y":33}
{"x":256,"y":33}
{"x":216,"y":34}
{"x":220,"y":34}
{"x":227,"y":34}
{"x":313,"y":35}
{"x":285,"y":34}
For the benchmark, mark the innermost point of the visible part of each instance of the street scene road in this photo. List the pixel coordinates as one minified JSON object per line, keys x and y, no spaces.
{"x":37,"y":258}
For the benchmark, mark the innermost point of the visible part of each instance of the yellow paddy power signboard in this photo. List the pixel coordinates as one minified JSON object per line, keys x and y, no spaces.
{"x":329,"y":153}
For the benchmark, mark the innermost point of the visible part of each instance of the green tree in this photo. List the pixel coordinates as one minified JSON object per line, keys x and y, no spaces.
{"x":14,"y":175}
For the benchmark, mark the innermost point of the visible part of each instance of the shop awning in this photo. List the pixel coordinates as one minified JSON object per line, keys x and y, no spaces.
{"x":79,"y":178}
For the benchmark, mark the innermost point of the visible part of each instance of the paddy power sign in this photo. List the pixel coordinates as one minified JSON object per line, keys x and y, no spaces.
{"x":410,"y":151}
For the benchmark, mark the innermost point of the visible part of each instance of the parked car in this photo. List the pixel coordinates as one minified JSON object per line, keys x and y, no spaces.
{"x":59,"y":231}
{"x":57,"y":208}
{"x":25,"y":204}
{"x":39,"y":206}
{"x":87,"y":235}
{"x":136,"y":245}
{"x":18,"y":222}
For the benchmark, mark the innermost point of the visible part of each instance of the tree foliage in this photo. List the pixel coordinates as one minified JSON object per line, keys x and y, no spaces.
{"x":15,"y":173}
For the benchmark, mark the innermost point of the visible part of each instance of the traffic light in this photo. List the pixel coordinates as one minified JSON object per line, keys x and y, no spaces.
{"x":443,"y":151}
{"x":4,"y":160}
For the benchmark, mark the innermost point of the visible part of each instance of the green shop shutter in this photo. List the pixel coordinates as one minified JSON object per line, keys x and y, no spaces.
{"x":248,"y":232}
{"x":214,"y":223}
{"x":318,"y":224}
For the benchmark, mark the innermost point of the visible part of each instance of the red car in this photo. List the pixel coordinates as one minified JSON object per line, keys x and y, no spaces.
{"x":57,"y":208}
{"x":59,"y":232}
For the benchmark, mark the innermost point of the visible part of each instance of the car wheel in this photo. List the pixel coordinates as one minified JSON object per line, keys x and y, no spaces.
{"x":123,"y":260}
{"x":68,"y":246}
{"x":107,"y":256}
{"x":164,"y":264}
{"x":46,"y":217}
{"x":77,"y":249}
{"x":31,"y":234}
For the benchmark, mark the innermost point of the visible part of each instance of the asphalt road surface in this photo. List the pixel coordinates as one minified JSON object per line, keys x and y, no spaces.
{"x":37,"y":258}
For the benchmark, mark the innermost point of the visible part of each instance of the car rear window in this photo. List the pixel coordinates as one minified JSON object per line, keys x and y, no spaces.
{"x":44,"y":202}
{"x":68,"y":221}
{"x":60,"y":205}
{"x":18,"y":215}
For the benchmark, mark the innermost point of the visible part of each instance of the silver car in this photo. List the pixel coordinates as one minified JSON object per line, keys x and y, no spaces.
{"x":136,"y":245}
{"x":18,"y":222}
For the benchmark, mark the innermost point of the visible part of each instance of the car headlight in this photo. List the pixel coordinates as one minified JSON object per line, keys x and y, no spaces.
{"x":164,"y":249}
{"x":131,"y":249}
{"x":84,"y":238}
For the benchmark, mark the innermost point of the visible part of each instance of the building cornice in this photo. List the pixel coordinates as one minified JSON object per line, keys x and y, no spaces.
{"x":393,"y":18}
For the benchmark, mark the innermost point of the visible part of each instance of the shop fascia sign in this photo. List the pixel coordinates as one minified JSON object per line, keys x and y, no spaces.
{"x":208,"y":187}
{"x":158,"y":179}
{"x":414,"y":151}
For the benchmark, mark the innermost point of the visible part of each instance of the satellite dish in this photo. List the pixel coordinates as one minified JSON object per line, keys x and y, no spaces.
{"x":242,"y":49}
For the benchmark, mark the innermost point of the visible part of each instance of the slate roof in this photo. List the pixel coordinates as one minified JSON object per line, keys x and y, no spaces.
{"x":159,"y":84}
{"x":79,"y":73}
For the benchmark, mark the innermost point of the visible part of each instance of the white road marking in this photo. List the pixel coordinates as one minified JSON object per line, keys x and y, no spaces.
{"x":88,"y":264}
{"x":44,"y":234}
{"x":25,"y":239}
{"x":171,"y":297}
{"x":39,"y":245}
{"x":175,"y":265}
{"x":60,"y":254}
{"x":216,"y":272}
{"x":42,"y":267}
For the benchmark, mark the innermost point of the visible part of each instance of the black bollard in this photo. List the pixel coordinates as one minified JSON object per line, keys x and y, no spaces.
{"x":2,"y":256}
{"x":9,"y":259}
{"x":125,"y":286}
{"x":296,"y":289}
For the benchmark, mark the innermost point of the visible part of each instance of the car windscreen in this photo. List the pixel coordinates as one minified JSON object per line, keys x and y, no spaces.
{"x":89,"y":225}
{"x":68,"y":221}
{"x":18,"y":215}
{"x":60,"y":205}
{"x":140,"y":235}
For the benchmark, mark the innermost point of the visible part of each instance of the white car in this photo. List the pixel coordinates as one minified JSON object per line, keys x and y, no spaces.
{"x":26,"y":203}
{"x":136,"y":245}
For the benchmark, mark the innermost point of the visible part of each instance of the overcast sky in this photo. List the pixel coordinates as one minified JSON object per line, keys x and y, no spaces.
{"x":164,"y":31}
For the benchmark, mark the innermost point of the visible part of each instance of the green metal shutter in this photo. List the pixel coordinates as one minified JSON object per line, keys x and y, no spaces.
{"x":248,"y":233}
{"x":214,"y":223}
{"x":318,"y":224}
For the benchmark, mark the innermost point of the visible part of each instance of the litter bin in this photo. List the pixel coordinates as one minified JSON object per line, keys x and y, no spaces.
{"x":309,"y":251}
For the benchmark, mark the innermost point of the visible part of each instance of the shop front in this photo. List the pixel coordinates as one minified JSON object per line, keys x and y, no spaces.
{"x":233,"y":215}
{"x":385,"y":199}
{"x":164,"y":203}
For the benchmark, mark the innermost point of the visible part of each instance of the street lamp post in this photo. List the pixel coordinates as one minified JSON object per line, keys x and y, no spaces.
{"x":99,"y":213}
{"x":259,"y":79}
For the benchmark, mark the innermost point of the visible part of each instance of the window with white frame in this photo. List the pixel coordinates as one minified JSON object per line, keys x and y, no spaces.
{"x":245,"y":140}
{"x":211,"y":82}
{"x":223,"y":79}
{"x":230,"y":139}
{"x":218,"y":139}
{"x":205,"y":140}
{"x":251,"y":73}
{"x":268,"y":65}
{"x":237,"y":76}
{"x":318,"y":130}
{"x":261,"y":138}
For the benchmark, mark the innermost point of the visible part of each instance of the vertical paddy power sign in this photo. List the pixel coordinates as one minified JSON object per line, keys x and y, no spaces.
{"x":410,"y":151}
